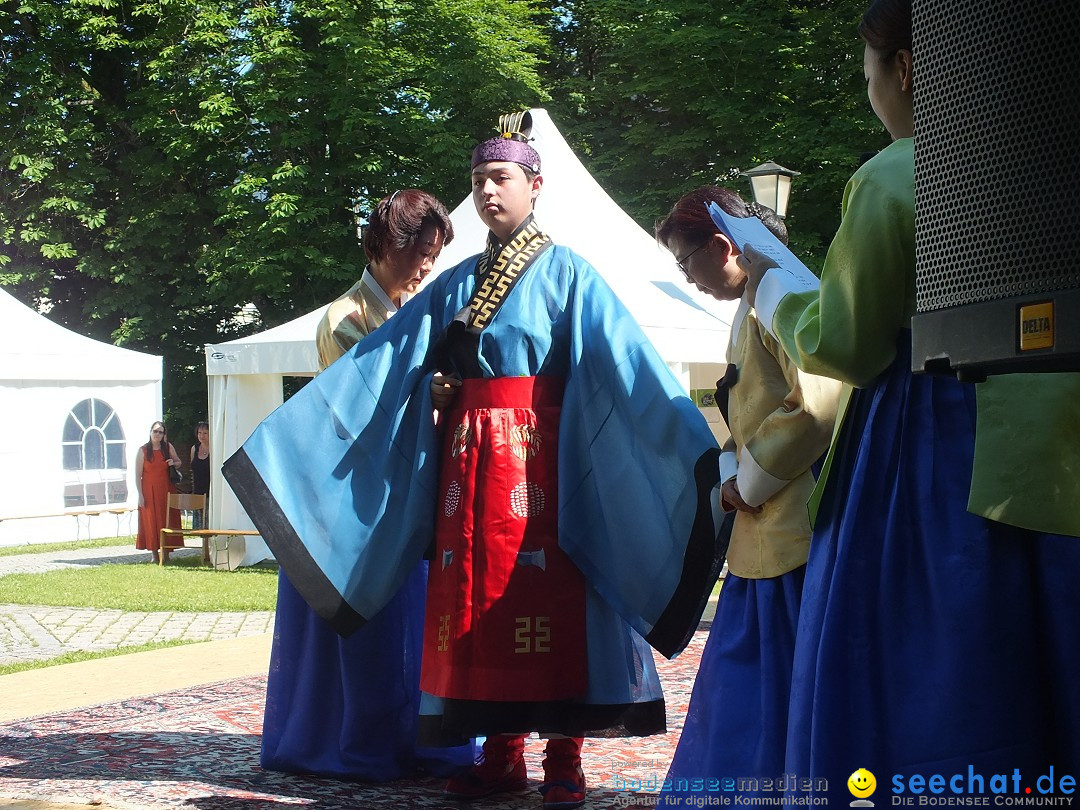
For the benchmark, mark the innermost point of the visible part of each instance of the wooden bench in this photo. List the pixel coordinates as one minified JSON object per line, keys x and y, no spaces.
{"x":118,"y":510}
{"x":195,"y":503}
{"x":205,"y":534}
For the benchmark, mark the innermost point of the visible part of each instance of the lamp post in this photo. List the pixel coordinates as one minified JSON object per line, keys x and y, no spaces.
{"x":771,"y":183}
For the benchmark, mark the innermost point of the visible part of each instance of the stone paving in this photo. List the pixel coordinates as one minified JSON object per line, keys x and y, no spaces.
{"x":35,"y":632}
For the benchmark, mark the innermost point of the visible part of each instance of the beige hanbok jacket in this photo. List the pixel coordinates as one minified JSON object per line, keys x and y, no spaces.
{"x":355,"y":315}
{"x":781,"y":422}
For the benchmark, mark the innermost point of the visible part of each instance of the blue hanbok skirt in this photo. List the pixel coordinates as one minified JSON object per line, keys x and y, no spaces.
{"x":930,"y":640}
{"x":348,"y":708}
{"x":736,"y":725}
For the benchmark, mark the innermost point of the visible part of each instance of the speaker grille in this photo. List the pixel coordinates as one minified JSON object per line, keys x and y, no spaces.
{"x":997,"y":108}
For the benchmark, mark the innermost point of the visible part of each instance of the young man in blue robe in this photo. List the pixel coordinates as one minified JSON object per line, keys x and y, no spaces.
{"x":567,"y":486}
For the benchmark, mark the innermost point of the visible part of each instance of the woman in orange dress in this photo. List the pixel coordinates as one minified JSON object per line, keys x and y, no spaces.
{"x":152,"y":466}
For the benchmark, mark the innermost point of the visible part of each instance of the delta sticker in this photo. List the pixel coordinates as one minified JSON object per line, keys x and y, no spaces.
{"x":1037,"y":326}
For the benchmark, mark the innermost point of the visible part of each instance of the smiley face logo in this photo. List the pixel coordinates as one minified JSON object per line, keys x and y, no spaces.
{"x":861,"y":783}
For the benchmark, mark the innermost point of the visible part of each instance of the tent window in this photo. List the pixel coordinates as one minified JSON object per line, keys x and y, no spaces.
{"x":83,"y":412}
{"x":72,"y":456}
{"x":113,"y":430}
{"x":95,"y":455}
{"x":73,"y":430}
{"x":93,"y":450}
{"x":292,"y":385}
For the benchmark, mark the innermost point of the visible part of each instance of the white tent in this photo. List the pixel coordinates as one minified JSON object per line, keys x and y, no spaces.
{"x":245,"y":378}
{"x":75,"y":412}
{"x":688,"y":328}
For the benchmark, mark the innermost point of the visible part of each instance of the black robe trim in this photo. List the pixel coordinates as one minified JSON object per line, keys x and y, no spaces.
{"x":704,"y":558}
{"x":283,"y":541}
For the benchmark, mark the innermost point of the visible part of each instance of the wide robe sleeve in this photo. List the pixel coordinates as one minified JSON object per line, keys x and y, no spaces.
{"x":340,"y":479}
{"x":637,"y":463}
{"x":848,"y":328}
{"x":344,"y":324}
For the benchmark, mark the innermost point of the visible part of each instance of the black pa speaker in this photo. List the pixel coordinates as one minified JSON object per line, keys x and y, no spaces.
{"x":997,"y":192}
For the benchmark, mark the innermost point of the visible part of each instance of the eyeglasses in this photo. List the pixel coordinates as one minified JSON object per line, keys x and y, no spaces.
{"x":162,"y":432}
{"x":682,"y":262}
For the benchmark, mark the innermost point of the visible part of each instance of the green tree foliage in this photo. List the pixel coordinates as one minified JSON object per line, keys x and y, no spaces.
{"x":163,"y":163}
{"x":667,"y":95}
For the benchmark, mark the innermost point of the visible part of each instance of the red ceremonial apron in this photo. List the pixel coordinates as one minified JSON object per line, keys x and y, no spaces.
{"x":505,"y":616}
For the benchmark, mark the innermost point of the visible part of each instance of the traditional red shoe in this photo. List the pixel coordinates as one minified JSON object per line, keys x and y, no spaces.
{"x":561,"y":794}
{"x":501,"y":769}
{"x":564,"y":781}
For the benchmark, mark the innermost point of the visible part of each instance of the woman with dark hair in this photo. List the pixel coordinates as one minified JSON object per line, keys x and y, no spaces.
{"x":153,"y":465}
{"x":200,"y":470}
{"x":348,"y":708}
{"x":781,"y":421}
{"x":931,"y":640}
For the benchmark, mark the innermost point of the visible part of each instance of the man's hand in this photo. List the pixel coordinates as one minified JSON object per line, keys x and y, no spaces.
{"x":444,"y":388}
{"x":755,"y":264}
{"x":733,"y":500}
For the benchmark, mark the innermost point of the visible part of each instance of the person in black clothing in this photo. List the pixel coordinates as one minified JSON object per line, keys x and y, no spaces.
{"x":200,"y":469}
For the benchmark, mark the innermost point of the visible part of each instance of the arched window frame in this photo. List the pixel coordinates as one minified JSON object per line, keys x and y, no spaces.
{"x":94,"y":475}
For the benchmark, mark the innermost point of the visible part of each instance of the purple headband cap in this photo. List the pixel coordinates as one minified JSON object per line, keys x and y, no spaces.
{"x":507,"y":149}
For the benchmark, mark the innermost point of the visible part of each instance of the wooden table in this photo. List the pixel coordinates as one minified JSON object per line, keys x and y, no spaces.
{"x":205,"y":534}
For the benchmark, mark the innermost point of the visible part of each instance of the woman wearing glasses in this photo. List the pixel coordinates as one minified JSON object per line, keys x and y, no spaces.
{"x":780,"y":420}
{"x":152,"y":466}
{"x":348,"y":707}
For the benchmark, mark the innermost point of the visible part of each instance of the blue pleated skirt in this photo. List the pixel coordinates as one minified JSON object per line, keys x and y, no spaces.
{"x":348,"y":708}
{"x":736,"y":725}
{"x":930,"y":641}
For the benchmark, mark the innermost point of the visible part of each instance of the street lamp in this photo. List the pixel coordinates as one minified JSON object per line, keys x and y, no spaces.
{"x":772,"y":185}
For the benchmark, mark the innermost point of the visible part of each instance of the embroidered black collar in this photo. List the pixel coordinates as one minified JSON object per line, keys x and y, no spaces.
{"x":500,"y":267}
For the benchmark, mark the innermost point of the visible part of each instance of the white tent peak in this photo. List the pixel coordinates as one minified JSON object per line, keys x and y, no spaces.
{"x":34,"y":348}
{"x":287,"y":349}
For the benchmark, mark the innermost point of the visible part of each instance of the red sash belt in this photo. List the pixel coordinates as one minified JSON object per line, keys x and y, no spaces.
{"x":505,"y":616}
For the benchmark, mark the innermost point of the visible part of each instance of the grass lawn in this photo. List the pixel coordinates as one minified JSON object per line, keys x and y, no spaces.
{"x":184,"y":584}
{"x":73,"y":657}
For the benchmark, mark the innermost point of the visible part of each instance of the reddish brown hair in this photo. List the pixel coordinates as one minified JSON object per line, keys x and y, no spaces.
{"x":400,"y":218}
{"x":689,"y":217}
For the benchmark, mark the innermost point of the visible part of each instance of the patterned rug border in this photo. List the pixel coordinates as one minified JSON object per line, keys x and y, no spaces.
{"x":198,"y":748}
